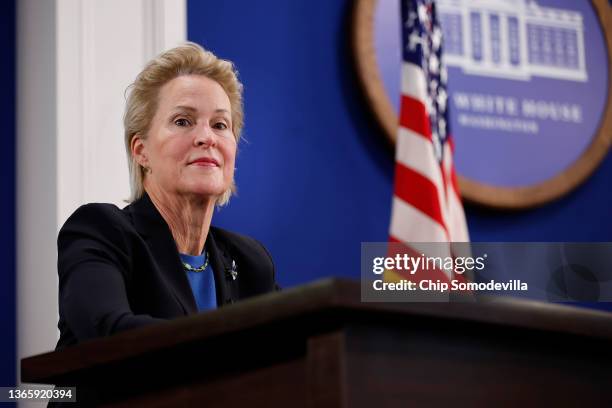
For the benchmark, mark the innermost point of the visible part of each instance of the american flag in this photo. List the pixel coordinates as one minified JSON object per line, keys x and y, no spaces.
{"x":426,"y":203}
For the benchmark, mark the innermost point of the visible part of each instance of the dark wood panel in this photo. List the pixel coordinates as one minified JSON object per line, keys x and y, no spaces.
{"x":280,"y":385}
{"x":433,"y":366}
{"x":327,"y":370}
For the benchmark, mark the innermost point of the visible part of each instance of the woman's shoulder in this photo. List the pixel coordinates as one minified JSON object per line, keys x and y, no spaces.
{"x":99,"y":216}
{"x":93,"y":230}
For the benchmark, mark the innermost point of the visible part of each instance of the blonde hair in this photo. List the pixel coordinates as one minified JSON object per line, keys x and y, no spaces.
{"x":143,"y":93}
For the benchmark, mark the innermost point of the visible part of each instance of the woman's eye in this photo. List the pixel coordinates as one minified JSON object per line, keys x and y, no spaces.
{"x":220,"y":126}
{"x":181,"y":122}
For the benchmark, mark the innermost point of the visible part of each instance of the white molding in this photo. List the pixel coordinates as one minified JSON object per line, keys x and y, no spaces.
{"x":36,"y":182}
{"x":70,"y":106}
{"x":75,"y":60}
{"x":165,"y":25}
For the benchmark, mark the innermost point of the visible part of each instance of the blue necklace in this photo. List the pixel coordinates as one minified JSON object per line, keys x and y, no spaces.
{"x":190,"y":268}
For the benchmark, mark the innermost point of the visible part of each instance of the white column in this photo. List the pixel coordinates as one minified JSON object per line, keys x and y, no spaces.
{"x":36,"y":178}
{"x":75,"y":60}
{"x":467,"y":35}
{"x":504,"y":49}
{"x":582,"y":71}
{"x":486,"y":38}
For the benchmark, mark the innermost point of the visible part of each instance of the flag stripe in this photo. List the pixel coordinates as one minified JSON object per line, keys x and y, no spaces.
{"x":419,"y":192}
{"x":414,"y":83}
{"x":414,"y":151}
{"x":413,"y":116}
{"x":411,"y":225}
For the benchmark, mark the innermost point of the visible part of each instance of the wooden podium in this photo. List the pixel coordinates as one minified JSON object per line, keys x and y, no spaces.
{"x":319,"y":346}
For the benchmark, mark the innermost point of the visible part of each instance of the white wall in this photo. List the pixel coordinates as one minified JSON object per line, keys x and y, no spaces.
{"x":75,"y":59}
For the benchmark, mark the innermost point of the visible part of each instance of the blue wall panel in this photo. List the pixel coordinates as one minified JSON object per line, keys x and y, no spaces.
{"x":7,"y":203}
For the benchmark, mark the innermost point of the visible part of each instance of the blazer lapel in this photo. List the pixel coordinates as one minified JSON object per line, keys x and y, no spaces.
{"x":153,"y":228}
{"x":221,"y":264}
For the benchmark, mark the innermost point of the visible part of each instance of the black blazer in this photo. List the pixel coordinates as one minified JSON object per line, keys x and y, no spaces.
{"x":120,"y":269}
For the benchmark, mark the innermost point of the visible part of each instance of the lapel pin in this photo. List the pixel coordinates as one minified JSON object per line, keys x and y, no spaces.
{"x":233,"y":272}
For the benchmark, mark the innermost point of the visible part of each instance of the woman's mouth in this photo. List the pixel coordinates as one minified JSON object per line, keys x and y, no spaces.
{"x":205,"y":162}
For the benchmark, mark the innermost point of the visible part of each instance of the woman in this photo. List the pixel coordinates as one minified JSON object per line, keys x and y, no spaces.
{"x":159,"y":258}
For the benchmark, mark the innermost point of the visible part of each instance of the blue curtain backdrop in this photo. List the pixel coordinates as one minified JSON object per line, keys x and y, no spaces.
{"x":315,"y":177}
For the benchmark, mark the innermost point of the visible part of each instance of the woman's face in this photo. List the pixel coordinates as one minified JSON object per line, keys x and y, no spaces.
{"x":190,"y":148}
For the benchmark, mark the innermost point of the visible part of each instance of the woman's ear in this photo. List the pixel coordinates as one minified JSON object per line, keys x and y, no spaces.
{"x":138,"y":149}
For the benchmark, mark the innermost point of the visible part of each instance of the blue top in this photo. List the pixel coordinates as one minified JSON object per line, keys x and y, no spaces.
{"x":202,"y":283}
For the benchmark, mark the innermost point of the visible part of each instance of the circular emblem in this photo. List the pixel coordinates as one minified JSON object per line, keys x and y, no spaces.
{"x":528,"y":90}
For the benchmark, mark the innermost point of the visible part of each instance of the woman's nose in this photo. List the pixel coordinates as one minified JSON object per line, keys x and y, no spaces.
{"x":205,"y":137}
